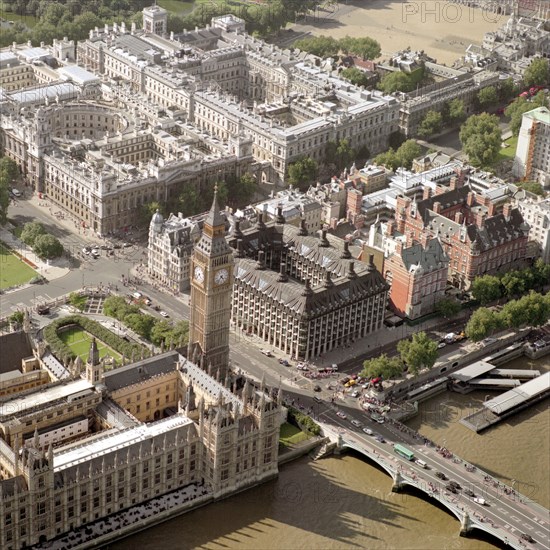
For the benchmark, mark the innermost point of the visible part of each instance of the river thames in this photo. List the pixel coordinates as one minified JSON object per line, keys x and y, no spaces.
{"x":345,"y":502}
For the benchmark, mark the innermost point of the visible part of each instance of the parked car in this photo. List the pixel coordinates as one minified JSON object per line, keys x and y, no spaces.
{"x":317,"y":399}
{"x":441,"y":345}
{"x":164,"y":314}
{"x":341,"y":415}
{"x":16,"y":192}
{"x":317,"y":388}
{"x":355,"y":393}
{"x":43,"y":310}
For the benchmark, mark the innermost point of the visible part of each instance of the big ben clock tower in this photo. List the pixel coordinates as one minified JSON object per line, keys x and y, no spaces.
{"x":211,"y":274}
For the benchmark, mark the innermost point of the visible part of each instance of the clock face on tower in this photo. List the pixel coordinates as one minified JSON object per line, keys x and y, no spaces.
{"x":221,"y":276}
{"x":199,"y":274}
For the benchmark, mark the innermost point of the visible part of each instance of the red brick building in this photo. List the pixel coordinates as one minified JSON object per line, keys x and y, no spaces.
{"x":418,"y":274}
{"x":476,"y":238}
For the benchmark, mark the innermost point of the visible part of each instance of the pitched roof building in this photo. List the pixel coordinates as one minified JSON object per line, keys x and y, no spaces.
{"x":304,"y":294}
{"x":476,"y":237}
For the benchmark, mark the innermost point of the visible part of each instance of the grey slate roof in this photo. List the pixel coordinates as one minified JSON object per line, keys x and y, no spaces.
{"x":317,"y":301}
{"x":447,"y":199}
{"x":427,"y":258}
{"x":497,"y":229}
{"x":14,"y":347}
{"x":141,"y":370}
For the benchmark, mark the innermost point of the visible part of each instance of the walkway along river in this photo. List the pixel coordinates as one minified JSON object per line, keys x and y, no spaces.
{"x":344,"y":502}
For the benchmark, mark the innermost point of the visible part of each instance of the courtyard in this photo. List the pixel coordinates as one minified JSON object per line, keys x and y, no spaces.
{"x":79,"y":341}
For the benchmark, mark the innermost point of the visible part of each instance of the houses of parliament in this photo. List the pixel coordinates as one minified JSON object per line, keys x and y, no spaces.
{"x":80,"y":456}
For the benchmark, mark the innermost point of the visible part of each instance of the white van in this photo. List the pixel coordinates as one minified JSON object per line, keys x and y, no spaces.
{"x":421,"y":463}
{"x":137,"y":295}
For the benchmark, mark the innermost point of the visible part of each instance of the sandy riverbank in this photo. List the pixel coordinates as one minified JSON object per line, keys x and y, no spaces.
{"x":442,"y":29}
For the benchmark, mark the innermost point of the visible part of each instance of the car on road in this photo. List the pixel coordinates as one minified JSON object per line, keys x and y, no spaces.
{"x":16,"y":192}
{"x":86,"y":250}
{"x":317,"y":388}
{"x":126,"y":245}
{"x":441,"y":476}
{"x":317,"y":399}
{"x":527,"y":537}
{"x":284,"y":362}
{"x":451,"y":488}
{"x":368,"y":431}
{"x":356,"y":423}
{"x":341,"y":415}
{"x":469,"y":493}
{"x":355,"y":393}
{"x":95,"y":253}
{"x":380,"y":439}
{"x":43,"y":310}
{"x":479,"y":500}
{"x":455,"y":485}
{"x":441,"y":345}
{"x":164,"y":314}
{"x":116,"y":246}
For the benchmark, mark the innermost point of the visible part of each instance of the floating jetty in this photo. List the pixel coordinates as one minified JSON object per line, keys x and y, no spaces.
{"x":510,"y":402}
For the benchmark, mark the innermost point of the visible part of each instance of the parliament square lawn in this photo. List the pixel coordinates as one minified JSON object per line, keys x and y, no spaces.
{"x":13,"y":271}
{"x":79,"y":341}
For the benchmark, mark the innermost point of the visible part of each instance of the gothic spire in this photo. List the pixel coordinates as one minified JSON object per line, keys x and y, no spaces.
{"x":214,"y":218}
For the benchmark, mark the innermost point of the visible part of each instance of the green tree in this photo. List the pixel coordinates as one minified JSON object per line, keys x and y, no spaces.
{"x":537,"y":309}
{"x":481,"y":139}
{"x":8,"y":169}
{"x":241,"y":191}
{"x":448,"y":307}
{"x":17,"y":318}
{"x":420,"y":352}
{"x":160,"y":332}
{"x":30,"y":231}
{"x":54,"y":13}
{"x":396,"y":82}
{"x":486,"y":289}
{"x":431,"y":124}
{"x":487,"y":97}
{"x":387,"y":367}
{"x":355,"y":76}
{"x":302,"y":172}
{"x":515,"y":112}
{"x":322,"y":46}
{"x":78,"y":301}
{"x":507,"y":89}
{"x":344,"y":154}
{"x":456,"y":111}
{"x":47,"y":247}
{"x":407,"y":152}
{"x":537,"y":74}
{"x":366,"y":48}
{"x":541,"y":273}
{"x":148,"y":209}
{"x":532,"y":187}
{"x":118,"y":307}
{"x":482,"y":322}
{"x":513,"y":283}
{"x":8,"y":173}
{"x":189,"y":202}
{"x":140,"y":324}
{"x":389,"y":159}
{"x":180,"y":333}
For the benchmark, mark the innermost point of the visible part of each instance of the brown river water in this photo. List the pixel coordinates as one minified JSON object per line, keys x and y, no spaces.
{"x":345,"y":502}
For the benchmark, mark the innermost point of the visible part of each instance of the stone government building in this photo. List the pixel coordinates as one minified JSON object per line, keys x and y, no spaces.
{"x":129,"y":116}
{"x":81,"y":448}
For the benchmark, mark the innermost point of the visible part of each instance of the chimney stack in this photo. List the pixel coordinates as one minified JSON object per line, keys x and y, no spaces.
{"x":459,"y":217}
{"x":283,"y":277}
{"x":427,"y":193}
{"x":346,"y":254}
{"x":261,"y":260}
{"x":453,"y":183}
{"x":240,"y":251}
{"x":471,"y":198}
{"x":390,"y":227}
{"x":437,"y":207}
{"x":507,"y":211}
{"x":370,"y":265}
{"x":324,"y":241}
{"x":491,"y":211}
{"x":351,"y":271}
